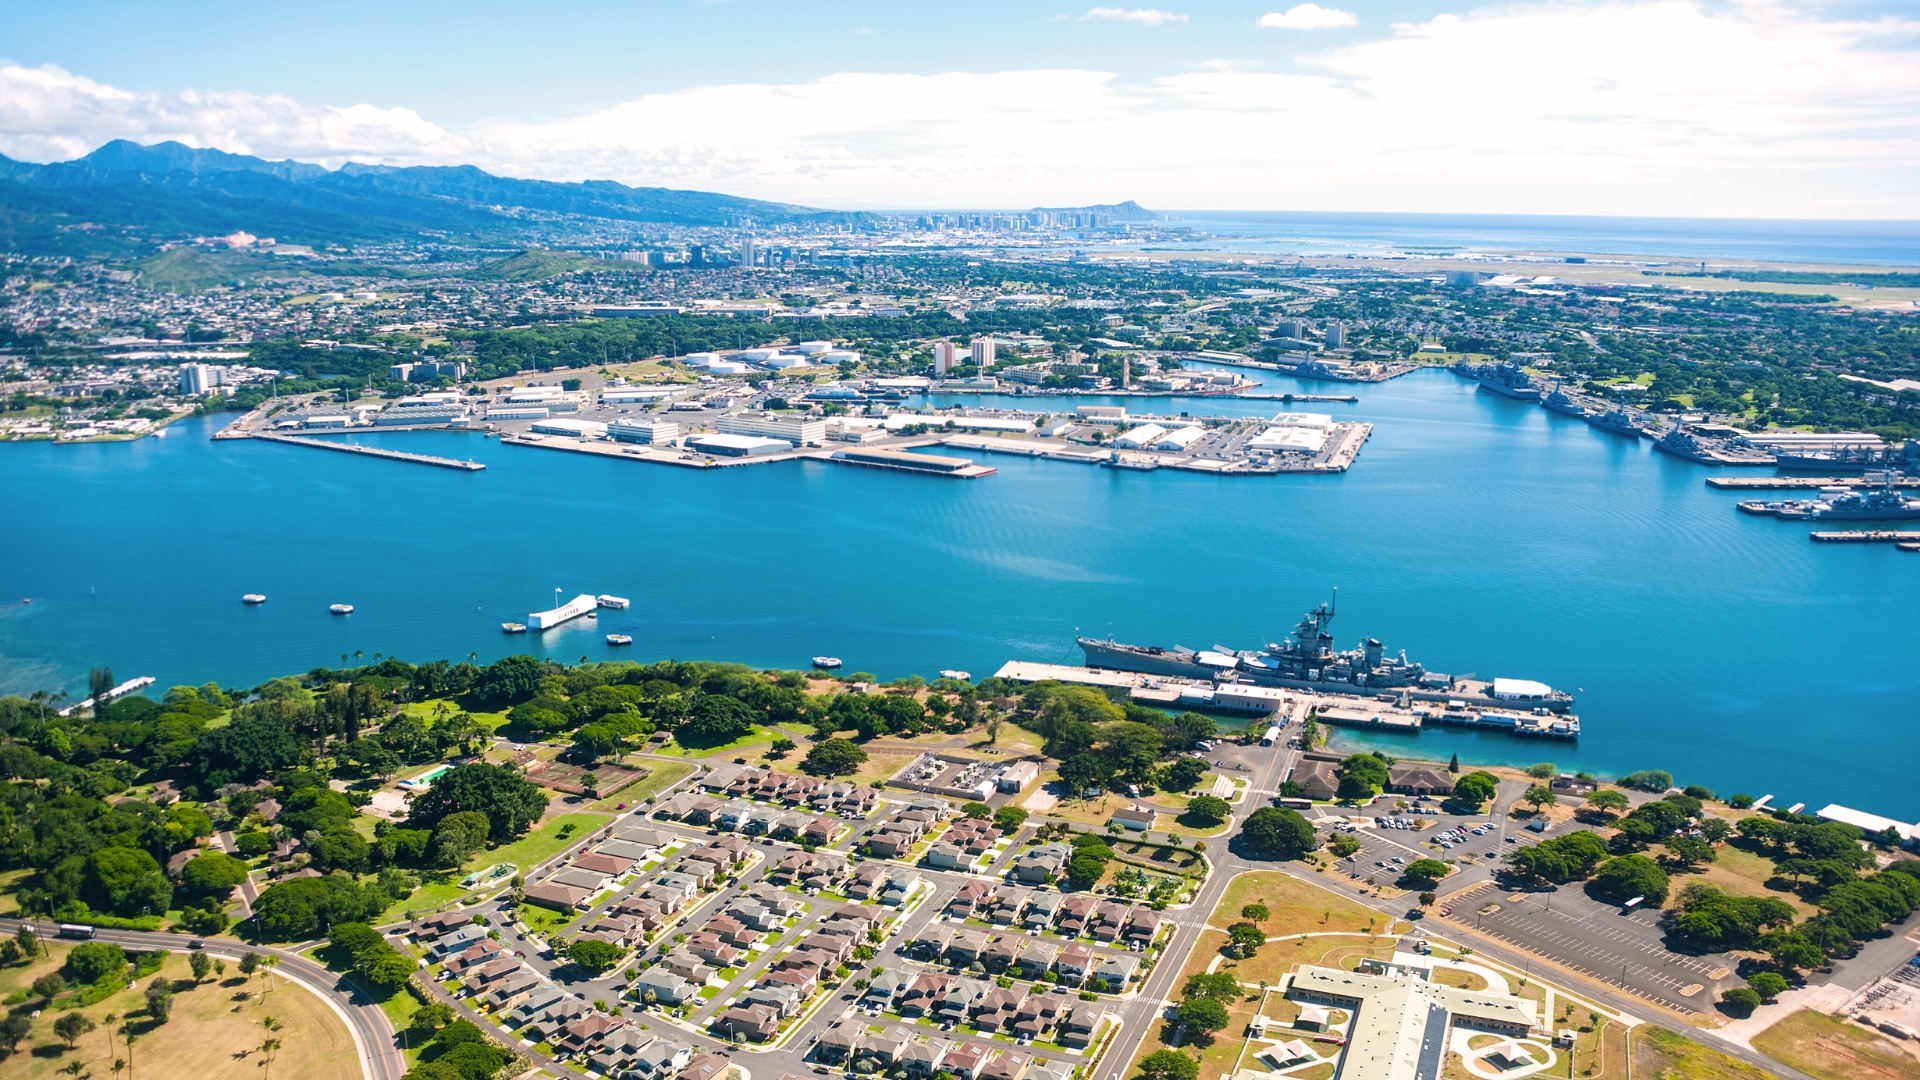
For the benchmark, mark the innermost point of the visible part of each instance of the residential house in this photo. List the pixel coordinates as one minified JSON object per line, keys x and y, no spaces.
{"x":945,"y":856}
{"x":601,"y":862}
{"x":836,"y":947}
{"x":669,"y":988}
{"x":885,"y":1047}
{"x":688,"y":966}
{"x":800,"y":979}
{"x":1144,"y":927}
{"x":722,"y":777}
{"x":487,"y":976}
{"x":1011,"y":905}
{"x":653,"y":839}
{"x":514,"y":989}
{"x":479,"y":953}
{"x":1076,"y":913}
{"x":676,"y":808}
{"x":780,"y":903}
{"x":1038,"y":1014}
{"x":756,"y":1022}
{"x":702,"y":871}
{"x":686,"y":885}
{"x":646,"y":912}
{"x":1042,"y":864}
{"x":671,"y":898}
{"x":620,"y":930}
{"x":458,"y":941}
{"x":433,"y":926}
{"x":585,"y":1032}
{"x":1136,"y":818}
{"x":966,"y":946}
{"x":659,"y":1059}
{"x":551,"y":1022}
{"x":708,"y":1067}
{"x":840,"y":1041}
{"x":732,"y":931}
{"x":922,"y":993}
{"x":617,"y":1050}
{"x":1009,"y":1065}
{"x":868,"y":880}
{"x":961,"y":997}
{"x":536,"y":1003}
{"x":702,"y":810}
{"x":817,"y":831}
{"x":784,"y":1000}
{"x":754,"y":914}
{"x":885,"y":986}
{"x":900,"y":889}
{"x":1108,"y":920}
{"x":1113,"y":973}
{"x":891,"y":842}
{"x":998,"y":1009}
{"x":1001,"y":952}
{"x":1077,"y":1029}
{"x":591,"y":881}
{"x":969,"y":896}
{"x":1042,"y":908}
{"x":1037,"y":958}
{"x":708,"y":946}
{"x":964,"y":1060}
{"x":923,"y":1057}
{"x":1076,"y":962}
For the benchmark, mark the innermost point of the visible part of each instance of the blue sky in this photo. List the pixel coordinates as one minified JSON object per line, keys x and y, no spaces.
{"x":1759,"y":108}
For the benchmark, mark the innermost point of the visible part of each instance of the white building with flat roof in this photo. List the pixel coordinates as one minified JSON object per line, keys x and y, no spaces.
{"x":1180,"y":438}
{"x":983,"y":352}
{"x":643,"y":431}
{"x":797,"y":429}
{"x":579,"y":429}
{"x":1872,"y":824}
{"x":1140,"y":438}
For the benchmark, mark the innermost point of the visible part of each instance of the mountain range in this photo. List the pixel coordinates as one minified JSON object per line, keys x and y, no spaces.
{"x":123,"y":196}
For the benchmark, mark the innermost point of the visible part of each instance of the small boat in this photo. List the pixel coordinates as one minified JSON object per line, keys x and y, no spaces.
{"x":253,"y":598}
{"x":514,"y":627}
{"x":826,"y":663}
{"x":619,"y":639}
{"x":959,"y":676}
{"x":341,"y":609}
{"x":618,"y":603}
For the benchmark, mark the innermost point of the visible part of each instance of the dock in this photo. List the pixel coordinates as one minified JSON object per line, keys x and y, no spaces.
{"x":1348,"y":398}
{"x":1798,"y":483}
{"x":1875,"y":536}
{"x":371,"y":451}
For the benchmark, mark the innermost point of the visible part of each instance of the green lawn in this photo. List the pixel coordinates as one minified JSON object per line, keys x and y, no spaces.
{"x":527,"y":852}
{"x":660,"y":774}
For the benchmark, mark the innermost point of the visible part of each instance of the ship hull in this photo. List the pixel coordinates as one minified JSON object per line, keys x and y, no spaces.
{"x":1525,"y":393}
{"x":1577,"y":411}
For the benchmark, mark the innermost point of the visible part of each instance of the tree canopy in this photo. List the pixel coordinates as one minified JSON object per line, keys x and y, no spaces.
{"x":509,"y":801}
{"x":1278,"y":833}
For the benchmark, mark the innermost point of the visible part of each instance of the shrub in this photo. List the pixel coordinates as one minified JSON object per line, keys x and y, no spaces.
{"x":1740,"y":1001}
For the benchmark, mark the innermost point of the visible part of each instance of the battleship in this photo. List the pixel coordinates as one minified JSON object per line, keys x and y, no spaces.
{"x":1706,"y":444}
{"x":1307,"y":660}
{"x":1619,"y":421}
{"x":1562,"y":402}
{"x":1843,"y":504}
{"x":1506,"y":379}
{"x":1851,"y":459}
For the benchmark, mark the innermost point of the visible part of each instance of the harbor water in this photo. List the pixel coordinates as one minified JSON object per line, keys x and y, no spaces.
{"x":1483,"y":536}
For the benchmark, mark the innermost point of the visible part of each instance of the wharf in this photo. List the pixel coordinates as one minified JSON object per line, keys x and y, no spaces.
{"x":1798,"y":483}
{"x":1875,"y":536}
{"x":661,"y":455}
{"x":369,"y":451}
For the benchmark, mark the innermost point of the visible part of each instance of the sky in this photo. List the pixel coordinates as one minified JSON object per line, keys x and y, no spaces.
{"x":1688,"y":108}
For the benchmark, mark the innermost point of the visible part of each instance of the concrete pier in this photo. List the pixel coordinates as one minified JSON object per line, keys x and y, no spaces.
{"x":371,"y":451}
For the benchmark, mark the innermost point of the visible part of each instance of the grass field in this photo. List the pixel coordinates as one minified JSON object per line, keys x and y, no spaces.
{"x":1742,"y":873}
{"x":210,"y":1034}
{"x":660,"y":774}
{"x":527,"y":852}
{"x":1294,"y":906}
{"x":1830,"y":1049}
{"x":1659,"y":1054}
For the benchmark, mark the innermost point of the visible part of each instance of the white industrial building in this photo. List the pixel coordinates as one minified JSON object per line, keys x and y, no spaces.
{"x":813,"y":348}
{"x":1140,"y":438}
{"x":724,"y":445}
{"x":518,"y":412}
{"x":535,"y":394}
{"x":1179,"y":439}
{"x":798,"y":429}
{"x":579,"y":429}
{"x":643,"y":431}
{"x":632,"y":396}
{"x":1298,"y":440}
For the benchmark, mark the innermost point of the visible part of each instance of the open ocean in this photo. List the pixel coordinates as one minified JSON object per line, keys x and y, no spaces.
{"x":1480,"y":535}
{"x":1869,"y":243}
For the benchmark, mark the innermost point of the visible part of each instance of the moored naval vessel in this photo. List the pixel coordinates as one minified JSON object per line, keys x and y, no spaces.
{"x":1506,"y":378}
{"x":1307,"y":660}
{"x":1837,"y":503}
{"x":1562,"y":402}
{"x":1618,"y":420}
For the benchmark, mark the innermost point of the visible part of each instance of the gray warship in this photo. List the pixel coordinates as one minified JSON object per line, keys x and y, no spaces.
{"x":1308,"y":660}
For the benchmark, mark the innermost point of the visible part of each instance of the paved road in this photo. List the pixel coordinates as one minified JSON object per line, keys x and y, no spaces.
{"x":373,"y":1035}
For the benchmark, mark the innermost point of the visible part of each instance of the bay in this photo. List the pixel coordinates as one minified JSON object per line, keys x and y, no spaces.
{"x":1480,"y":535}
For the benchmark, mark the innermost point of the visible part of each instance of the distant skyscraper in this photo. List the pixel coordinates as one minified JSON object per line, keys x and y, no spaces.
{"x":197,"y":379}
{"x":1336,"y":335}
{"x":945,"y":358}
{"x":983,"y":353}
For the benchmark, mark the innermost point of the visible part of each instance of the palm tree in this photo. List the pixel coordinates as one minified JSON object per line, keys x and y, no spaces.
{"x":118,"y":1064}
{"x":357,"y":654}
{"x":126,"y":1032}
{"x":268,"y":1049}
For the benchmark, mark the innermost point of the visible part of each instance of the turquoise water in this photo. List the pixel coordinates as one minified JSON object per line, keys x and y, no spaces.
{"x":1479,"y":534}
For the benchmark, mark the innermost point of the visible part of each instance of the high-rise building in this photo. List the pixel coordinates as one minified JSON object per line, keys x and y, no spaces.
{"x":945,"y":358}
{"x":197,"y":379}
{"x":983,"y":353}
{"x":1336,"y":335}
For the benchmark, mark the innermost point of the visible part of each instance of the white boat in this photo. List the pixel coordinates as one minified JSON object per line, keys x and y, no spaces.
{"x":253,"y":598}
{"x":826,"y":663}
{"x":341,"y":609}
{"x":514,"y":627}
{"x":618,"y":603}
{"x":619,"y":639}
{"x":959,"y":676}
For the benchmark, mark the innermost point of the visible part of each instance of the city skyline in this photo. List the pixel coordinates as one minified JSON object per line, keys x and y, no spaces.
{"x":1654,"y":107}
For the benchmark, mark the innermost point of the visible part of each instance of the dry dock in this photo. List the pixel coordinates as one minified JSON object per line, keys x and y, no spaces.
{"x":371,"y":451}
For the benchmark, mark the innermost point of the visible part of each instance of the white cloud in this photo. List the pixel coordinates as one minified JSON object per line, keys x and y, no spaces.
{"x":1144,"y":16}
{"x":1607,"y":107}
{"x":1307,"y":17}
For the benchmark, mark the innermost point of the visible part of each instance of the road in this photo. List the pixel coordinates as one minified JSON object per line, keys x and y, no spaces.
{"x":373,"y":1035}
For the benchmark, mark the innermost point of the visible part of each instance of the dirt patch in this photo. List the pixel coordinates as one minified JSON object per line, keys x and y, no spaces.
{"x":1659,"y":1054}
{"x":1830,"y":1049}
{"x":1294,"y":906}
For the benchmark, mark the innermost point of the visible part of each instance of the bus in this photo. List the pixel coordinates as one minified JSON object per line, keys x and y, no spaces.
{"x":70,"y":930}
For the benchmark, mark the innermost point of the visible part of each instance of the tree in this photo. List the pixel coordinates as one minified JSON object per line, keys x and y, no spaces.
{"x":1475,"y":789}
{"x":833,"y":757}
{"x":1740,"y":1001}
{"x":17,"y":1026}
{"x":1169,"y":1065}
{"x":509,"y":801}
{"x":1218,"y":984}
{"x":1768,"y":984}
{"x":459,"y":836}
{"x":1689,"y":851}
{"x":201,"y":964}
{"x":1009,"y":818}
{"x":509,"y":679}
{"x":1084,"y":870}
{"x":1254,"y":912}
{"x":430,"y":1018}
{"x":71,"y":1025}
{"x":305,"y":907}
{"x":269,"y":1049}
{"x":1542,"y":770}
{"x":1608,"y":801}
{"x":978,"y":811}
{"x":125,"y":881}
{"x":714,"y":720}
{"x":159,"y":999}
{"x":596,"y":741}
{"x":1427,"y":871}
{"x":1344,"y":844}
{"x":1279,"y":834}
{"x":1540,"y":795}
{"x":249,"y":963}
{"x":1183,"y":774}
{"x":1654,"y":780}
{"x":593,"y":955}
{"x":1453,"y":765}
{"x":1246,"y":938}
{"x":49,"y":985}
{"x":1208,"y":809}
{"x":1626,"y":876}
{"x":213,"y":873}
{"x":246,"y":749}
{"x":1362,"y":776}
{"x":1202,"y":1014}
{"x":1791,"y":950}
{"x":91,"y":961}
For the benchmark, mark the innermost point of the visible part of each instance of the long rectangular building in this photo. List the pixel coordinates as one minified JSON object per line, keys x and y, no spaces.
{"x":798,"y":429}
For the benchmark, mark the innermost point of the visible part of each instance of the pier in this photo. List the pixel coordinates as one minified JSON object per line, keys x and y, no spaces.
{"x":372,"y":451}
{"x":1876,"y":536}
{"x":1348,"y":398}
{"x":1799,"y":483}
